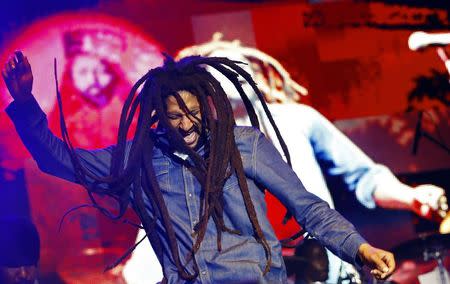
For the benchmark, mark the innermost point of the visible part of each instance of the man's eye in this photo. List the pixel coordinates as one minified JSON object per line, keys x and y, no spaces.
{"x":194,"y":112}
{"x":172,"y":117}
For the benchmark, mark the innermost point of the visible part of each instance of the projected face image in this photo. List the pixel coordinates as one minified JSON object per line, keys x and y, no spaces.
{"x":90,"y":76}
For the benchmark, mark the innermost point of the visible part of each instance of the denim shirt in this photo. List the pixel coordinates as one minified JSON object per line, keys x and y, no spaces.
{"x":242,"y":258}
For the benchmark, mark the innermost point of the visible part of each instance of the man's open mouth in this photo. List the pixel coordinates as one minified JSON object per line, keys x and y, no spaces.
{"x":190,"y":135}
{"x":190,"y":138}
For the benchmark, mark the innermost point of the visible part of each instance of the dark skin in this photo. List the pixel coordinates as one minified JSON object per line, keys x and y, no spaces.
{"x":19,"y":80}
{"x":18,"y":77}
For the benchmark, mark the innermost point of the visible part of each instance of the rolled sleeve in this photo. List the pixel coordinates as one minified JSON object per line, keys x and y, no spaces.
{"x":341,"y":159}
{"x":367,"y":184}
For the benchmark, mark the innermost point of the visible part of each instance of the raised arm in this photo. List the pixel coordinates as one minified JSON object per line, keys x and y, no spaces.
{"x":18,"y":77}
{"x":50,"y":153}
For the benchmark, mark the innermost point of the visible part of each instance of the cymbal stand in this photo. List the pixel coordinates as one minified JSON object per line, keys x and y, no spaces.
{"x":438,"y":253}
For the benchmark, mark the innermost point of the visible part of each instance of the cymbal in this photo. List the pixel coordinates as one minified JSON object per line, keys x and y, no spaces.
{"x":425,"y":243}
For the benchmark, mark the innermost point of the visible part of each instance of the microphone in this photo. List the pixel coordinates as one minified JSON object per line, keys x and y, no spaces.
{"x":418,"y":40}
{"x":417,"y":134}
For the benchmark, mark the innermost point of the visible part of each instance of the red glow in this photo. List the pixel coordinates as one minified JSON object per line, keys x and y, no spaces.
{"x":119,"y":55}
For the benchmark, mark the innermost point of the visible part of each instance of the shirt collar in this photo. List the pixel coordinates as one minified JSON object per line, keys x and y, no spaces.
{"x":163,"y":143}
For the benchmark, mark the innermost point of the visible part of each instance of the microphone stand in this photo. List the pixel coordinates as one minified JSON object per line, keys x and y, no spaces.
{"x":437,"y":253}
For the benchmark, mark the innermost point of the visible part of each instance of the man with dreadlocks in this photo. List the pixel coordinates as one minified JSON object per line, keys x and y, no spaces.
{"x":195,"y":179}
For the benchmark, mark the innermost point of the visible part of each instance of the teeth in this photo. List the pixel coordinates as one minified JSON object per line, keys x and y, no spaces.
{"x":190,"y":138}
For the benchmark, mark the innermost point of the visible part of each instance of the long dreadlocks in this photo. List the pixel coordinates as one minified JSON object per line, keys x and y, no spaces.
{"x":272,"y":71}
{"x":137,"y":176}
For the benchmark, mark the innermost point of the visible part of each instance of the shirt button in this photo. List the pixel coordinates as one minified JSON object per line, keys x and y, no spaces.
{"x":190,"y":194}
{"x":203,"y":272}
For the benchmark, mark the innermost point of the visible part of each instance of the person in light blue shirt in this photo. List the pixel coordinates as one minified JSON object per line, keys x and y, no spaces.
{"x":194,"y":178}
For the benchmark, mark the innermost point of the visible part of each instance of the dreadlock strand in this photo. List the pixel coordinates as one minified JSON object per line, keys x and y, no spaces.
{"x":251,"y":209}
{"x":227,"y":164}
{"x":157,"y":194}
{"x":221,"y":165}
{"x":252,"y":83}
{"x":232,"y":64}
{"x":233,"y":78}
{"x":119,"y":151}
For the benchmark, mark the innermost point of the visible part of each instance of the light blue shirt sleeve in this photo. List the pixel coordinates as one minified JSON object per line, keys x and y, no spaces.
{"x":342,"y":162}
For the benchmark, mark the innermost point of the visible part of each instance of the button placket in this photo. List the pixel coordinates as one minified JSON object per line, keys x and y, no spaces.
{"x":190,"y":198}
{"x":189,"y":187}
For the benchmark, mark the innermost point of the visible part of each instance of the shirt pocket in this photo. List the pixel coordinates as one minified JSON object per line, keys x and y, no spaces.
{"x":162,"y":174}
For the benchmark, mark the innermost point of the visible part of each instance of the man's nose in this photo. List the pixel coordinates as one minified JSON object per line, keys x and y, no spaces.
{"x":186,"y":122}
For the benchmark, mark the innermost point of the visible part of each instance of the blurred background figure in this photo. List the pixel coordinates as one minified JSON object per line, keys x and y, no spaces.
{"x":19,"y":251}
{"x":309,"y":264}
{"x":93,"y":85}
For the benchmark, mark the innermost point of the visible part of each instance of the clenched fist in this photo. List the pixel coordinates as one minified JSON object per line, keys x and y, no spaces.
{"x":18,"y":77}
{"x":381,"y":262}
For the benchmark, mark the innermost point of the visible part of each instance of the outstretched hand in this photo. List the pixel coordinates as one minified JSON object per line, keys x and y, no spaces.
{"x":429,"y":198}
{"x":18,"y":76}
{"x":381,"y":262}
